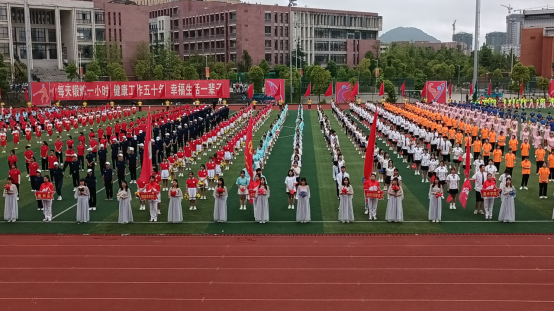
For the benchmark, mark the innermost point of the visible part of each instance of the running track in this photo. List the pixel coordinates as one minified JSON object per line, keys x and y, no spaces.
{"x":316,"y":272}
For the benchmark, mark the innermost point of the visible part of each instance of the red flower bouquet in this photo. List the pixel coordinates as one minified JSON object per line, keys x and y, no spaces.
{"x":173,"y":193}
{"x":437,"y":195}
{"x":344,"y":191}
{"x":396,"y":188}
{"x":292,"y":192}
{"x":220,"y":190}
{"x":7,"y":187}
{"x":262,"y":191}
{"x":242,"y":189}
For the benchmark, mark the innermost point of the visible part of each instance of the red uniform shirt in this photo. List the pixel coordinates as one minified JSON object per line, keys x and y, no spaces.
{"x":12,"y":159}
{"x":58,"y":146}
{"x":210,"y":166}
{"x":44,"y":151}
{"x":33,"y":167}
{"x":191,"y":183}
{"x":51,"y":160}
{"x":164,"y":166}
{"x":14,"y":174}
{"x":80,"y":150}
{"x":202,"y":173}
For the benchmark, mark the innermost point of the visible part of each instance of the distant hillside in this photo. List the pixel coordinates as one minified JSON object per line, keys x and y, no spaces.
{"x":406,"y":34}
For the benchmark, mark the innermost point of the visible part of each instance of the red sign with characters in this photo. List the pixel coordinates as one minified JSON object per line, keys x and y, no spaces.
{"x":490,"y":193}
{"x":374,"y":194}
{"x":137,"y":90}
{"x":41,"y":93}
{"x":44,"y":195}
{"x":148,"y":195}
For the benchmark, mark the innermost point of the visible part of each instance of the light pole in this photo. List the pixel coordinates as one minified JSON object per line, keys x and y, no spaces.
{"x":206,"y":71}
{"x":29,"y":46}
{"x":291,"y":4}
{"x":80,"y":68}
{"x":476,"y":47}
{"x":459,"y":83}
{"x":376,"y":69}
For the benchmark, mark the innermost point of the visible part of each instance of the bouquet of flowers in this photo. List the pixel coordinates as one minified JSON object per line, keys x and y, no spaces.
{"x":7,"y":187}
{"x":81,"y":189}
{"x":396,"y":188}
{"x":242,"y":189}
{"x":262,"y":191}
{"x":216,"y":177}
{"x":201,"y":184}
{"x":187,"y":196}
{"x":344,"y":191}
{"x":512,"y":193}
{"x":173,"y":193}
{"x":438,"y":195}
{"x":303,"y":194}
{"x":220,"y":190}
{"x":197,"y":195}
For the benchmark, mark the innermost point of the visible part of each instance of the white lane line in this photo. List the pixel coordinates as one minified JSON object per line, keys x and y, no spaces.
{"x":245,"y":222}
{"x":74,"y":205}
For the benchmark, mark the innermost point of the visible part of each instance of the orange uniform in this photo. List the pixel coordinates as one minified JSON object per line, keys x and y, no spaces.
{"x":539,"y":154}
{"x":497,"y":155}
{"x":526,"y":167}
{"x":510,"y":160}
{"x":492,"y":137}
{"x":487,"y":147}
{"x":525,"y":149}
{"x":513,"y":145}
{"x":502,"y":140}
{"x":543,"y":175}
{"x":477,"y":146}
{"x":551,"y":161}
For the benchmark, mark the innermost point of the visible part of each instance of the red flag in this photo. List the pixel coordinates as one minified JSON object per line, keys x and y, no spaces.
{"x":521,"y":88}
{"x":26,"y":95}
{"x":551,"y":88}
{"x":465,"y":193}
{"x":471,"y":90}
{"x":382,"y":89}
{"x":329,"y":91}
{"x":309,"y":91}
{"x":249,"y":150}
{"x":250,"y":91}
{"x":194,"y":92}
{"x":355,"y":90}
{"x":424,"y":91}
{"x":368,"y":165}
{"x":146,"y":170}
{"x":468,"y":150}
{"x":449,"y":199}
{"x":403,"y":88}
{"x":450,"y":89}
{"x":490,"y":88}
{"x":220,"y":92}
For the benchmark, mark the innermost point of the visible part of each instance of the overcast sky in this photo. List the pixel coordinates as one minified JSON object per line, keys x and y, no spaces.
{"x":434,"y":17}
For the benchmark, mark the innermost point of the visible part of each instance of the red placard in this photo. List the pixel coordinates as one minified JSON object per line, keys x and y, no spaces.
{"x":252,"y":193}
{"x":137,"y":90}
{"x":490,"y":193}
{"x":44,"y":195}
{"x":148,"y":195}
{"x":436,"y":91}
{"x":343,"y":91}
{"x":275,"y":88}
{"x":40,"y":93}
{"x":374,"y":194}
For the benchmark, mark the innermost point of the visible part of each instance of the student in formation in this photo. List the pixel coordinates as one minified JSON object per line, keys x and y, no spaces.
{"x":435,"y":201}
{"x":540,"y":154}
{"x":303,"y":214}
{"x":507,"y":208}
{"x":175,"y":211}
{"x":544,"y":173}
{"x":394,"y":206}
{"x":192,"y":184}
{"x":371,"y":203}
{"x":453,"y":182}
{"x":124,"y":197}
{"x":82,"y":194}
{"x":153,"y":186}
{"x":47,"y":186}
{"x":261,"y":202}
{"x":346,"y":209}
{"x":489,"y":184}
{"x":11,"y":211}
{"x":202,"y":181}
{"x":242,"y":185}
{"x":164,"y":166}
{"x":220,"y":205}
{"x":290,"y":188}
{"x":525,"y":172}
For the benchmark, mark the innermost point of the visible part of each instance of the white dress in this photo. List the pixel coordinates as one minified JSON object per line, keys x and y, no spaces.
{"x":346,"y":210}
{"x":435,"y":204}
{"x":261,"y":206}
{"x":394,"y":206}
{"x":11,"y":211}
{"x":175,"y":211}
{"x":220,"y":205}
{"x":83,"y":214}
{"x":125,"y":211}
{"x":303,"y":204}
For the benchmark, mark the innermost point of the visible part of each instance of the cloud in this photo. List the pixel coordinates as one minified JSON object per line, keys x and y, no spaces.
{"x":432,"y":16}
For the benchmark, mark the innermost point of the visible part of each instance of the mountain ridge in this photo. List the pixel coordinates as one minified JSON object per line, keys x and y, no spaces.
{"x":406,"y":34}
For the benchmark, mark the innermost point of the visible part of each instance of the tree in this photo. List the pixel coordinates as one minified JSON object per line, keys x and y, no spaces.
{"x":264,"y":65}
{"x":217,"y":70}
{"x":532,"y":71}
{"x":543,"y":84}
{"x":93,"y":71}
{"x":332,"y":68}
{"x":298,"y":58}
{"x":99,"y":55}
{"x":246,"y":61}
{"x":144,"y":63}
{"x":369,"y":55}
{"x":320,"y":79}
{"x":257,"y":77}
{"x":4,"y":75}
{"x":390,"y":72}
{"x":229,"y":66}
{"x":231,"y":75}
{"x":141,"y":70}
{"x":158,"y":72}
{"x":116,"y":72}
{"x":390,"y":91}
{"x":190,"y":73}
{"x":497,"y":74}
{"x":342,"y":75}
{"x":520,"y":74}
{"x":71,"y":71}
{"x":364,"y":64}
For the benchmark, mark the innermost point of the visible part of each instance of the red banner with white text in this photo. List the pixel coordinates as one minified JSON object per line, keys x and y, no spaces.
{"x":137,"y":90}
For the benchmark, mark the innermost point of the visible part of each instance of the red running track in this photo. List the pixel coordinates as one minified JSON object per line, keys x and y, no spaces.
{"x":434,"y":272}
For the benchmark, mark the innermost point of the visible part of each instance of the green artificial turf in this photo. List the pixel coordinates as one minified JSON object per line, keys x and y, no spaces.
{"x":533,"y":215}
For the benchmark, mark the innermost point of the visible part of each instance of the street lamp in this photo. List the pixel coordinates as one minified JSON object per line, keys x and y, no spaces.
{"x":80,"y":68}
{"x":291,"y":4}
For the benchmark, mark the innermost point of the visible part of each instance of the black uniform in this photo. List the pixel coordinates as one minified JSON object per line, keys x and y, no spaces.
{"x":74,"y":167}
{"x":57,"y":176}
{"x":132,"y":160}
{"x":90,"y":181}
{"x":120,"y":166}
{"x":107,"y":174}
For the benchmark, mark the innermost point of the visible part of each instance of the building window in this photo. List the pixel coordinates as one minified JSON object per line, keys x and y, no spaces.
{"x":4,"y":32}
{"x":276,"y":58}
{"x":51,"y":35}
{"x":22,"y":51}
{"x":99,"y":17}
{"x":286,"y":31}
{"x":100,"y":34}
{"x":109,"y":19}
{"x":84,"y":34}
{"x":281,"y":31}
{"x":5,"y":49}
{"x":339,"y":58}
{"x":234,"y":58}
{"x":276,"y":44}
{"x":86,"y":51}
{"x":286,"y":17}
{"x":268,"y":57}
{"x":276,"y":31}
{"x":39,"y":51}
{"x":110,"y":34}
{"x":281,"y":19}
{"x":268,"y":44}
{"x":337,"y":46}
{"x":3,"y":13}
{"x":38,"y":34}
{"x":52,"y":52}
{"x":83,"y":17}
{"x":286,"y":44}
{"x":281,"y":44}
{"x":119,"y":14}
{"x":120,"y":35}
{"x":281,"y":59}
{"x":268,"y":17}
{"x":268,"y":29}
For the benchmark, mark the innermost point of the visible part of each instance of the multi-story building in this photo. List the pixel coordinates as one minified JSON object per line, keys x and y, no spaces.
{"x":495,"y":40}
{"x":465,"y":38}
{"x":537,"y":40}
{"x":507,"y":49}
{"x":267,"y":32}
{"x":514,"y":23}
{"x":66,"y":31}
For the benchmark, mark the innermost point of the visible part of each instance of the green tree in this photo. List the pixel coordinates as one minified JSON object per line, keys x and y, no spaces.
{"x":99,"y":55}
{"x":217,"y":70}
{"x":264,"y":65}
{"x":257,"y":77}
{"x":71,"y":71}
{"x":532,"y":71}
{"x":497,"y":74}
{"x":190,"y":73}
{"x":141,"y":71}
{"x":93,"y":71}
{"x":246,"y":62}
{"x":390,"y":72}
{"x":332,"y":68}
{"x":320,"y":79}
{"x":390,"y":91}
{"x":364,"y":64}
{"x":231,"y":75}
{"x":342,"y":75}
{"x":144,"y":62}
{"x":369,"y":55}
{"x":116,"y":72}
{"x":229,"y":66}
{"x":4,"y":75}
{"x":353,"y":81}
{"x":158,"y":72}
{"x":520,"y":74}
{"x":543,"y":84}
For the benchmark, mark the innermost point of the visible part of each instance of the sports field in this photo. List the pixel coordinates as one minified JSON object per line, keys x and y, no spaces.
{"x":533,"y":215}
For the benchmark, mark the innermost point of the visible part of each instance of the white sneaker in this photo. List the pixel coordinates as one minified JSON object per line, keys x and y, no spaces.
{"x":74,"y":189}
{"x":59,"y":198}
{"x":27,"y":176}
{"x":521,"y":187}
{"x":159,"y":212}
{"x":525,"y":187}
{"x":422,"y":180}
{"x":366,"y":212}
